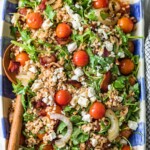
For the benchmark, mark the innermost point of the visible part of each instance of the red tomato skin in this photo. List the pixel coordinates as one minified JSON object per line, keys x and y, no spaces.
{"x":126,"y":147}
{"x":100,"y":4}
{"x":62,"y":97}
{"x":34,"y":20}
{"x":80,"y":58}
{"x":126,"y":24}
{"x":63,"y":30}
{"x":22,"y":58}
{"x":97,"y":110}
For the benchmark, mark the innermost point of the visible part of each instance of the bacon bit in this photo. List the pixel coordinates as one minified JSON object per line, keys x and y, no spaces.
{"x":13,"y":66}
{"x":23,"y":11}
{"x":88,"y":144}
{"x":46,"y":60}
{"x":106,"y":53}
{"x":126,"y":133}
{"x":39,"y":104}
{"x":42,"y":6}
{"x":105,"y":82}
{"x":42,"y":112}
{"x":62,"y":41}
{"x":74,"y":83}
{"x":132,"y":80}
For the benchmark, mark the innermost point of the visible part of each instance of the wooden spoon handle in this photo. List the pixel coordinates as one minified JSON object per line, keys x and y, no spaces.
{"x":16,"y":127}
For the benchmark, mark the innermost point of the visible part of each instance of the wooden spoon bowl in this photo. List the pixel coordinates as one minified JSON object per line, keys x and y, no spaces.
{"x":6,"y":60}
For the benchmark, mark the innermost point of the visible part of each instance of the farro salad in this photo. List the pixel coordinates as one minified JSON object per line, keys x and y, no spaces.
{"x":77,"y":74}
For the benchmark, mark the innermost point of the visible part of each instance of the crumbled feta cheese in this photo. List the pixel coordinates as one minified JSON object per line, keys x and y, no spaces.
{"x":72,"y":47}
{"x":121,"y":54}
{"x":99,"y":74}
{"x":86,"y":117}
{"x":37,"y":85}
{"x":80,"y":28}
{"x":47,"y":24}
{"x":124,"y":142}
{"x":132,"y":125}
{"x":45,"y":100}
{"x":108,"y":45}
{"x":76,"y":21}
{"x":93,"y":99}
{"x":54,"y":78}
{"x":52,"y":136}
{"x":107,"y":68}
{"x":83,"y":102}
{"x":21,"y":49}
{"x":75,"y":77}
{"x":102,"y":31}
{"x":58,"y":70}
{"x":91,"y":92}
{"x":94,"y":142}
{"x":69,"y":11}
{"x":33,"y":69}
{"x":74,"y":101}
{"x":15,"y":18}
{"x":109,"y":87}
{"x":78,"y":72}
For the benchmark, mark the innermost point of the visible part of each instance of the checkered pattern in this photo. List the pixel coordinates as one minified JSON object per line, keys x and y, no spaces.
{"x":8,"y":6}
{"x":147,"y":59}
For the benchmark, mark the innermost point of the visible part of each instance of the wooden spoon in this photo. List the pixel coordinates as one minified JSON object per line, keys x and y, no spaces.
{"x":6,"y":59}
{"x":16,"y":127}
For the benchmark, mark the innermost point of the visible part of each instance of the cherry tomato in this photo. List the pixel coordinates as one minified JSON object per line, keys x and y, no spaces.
{"x":126,"y":24}
{"x":126,"y":66}
{"x":22,"y":58}
{"x":100,"y":4}
{"x":63,"y":30}
{"x":126,"y":147}
{"x":34,"y":20}
{"x":23,"y":11}
{"x":62,"y":97}
{"x":80,"y":58}
{"x":126,"y":133}
{"x":97,"y":110}
{"x":131,"y":46}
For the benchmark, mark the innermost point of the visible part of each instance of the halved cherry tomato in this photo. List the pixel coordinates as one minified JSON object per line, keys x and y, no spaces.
{"x":34,"y":20}
{"x":126,"y":147}
{"x":62,"y":97}
{"x":100,"y":4}
{"x":126,"y":24}
{"x":131,"y":46}
{"x":126,"y":66}
{"x":63,"y":30}
{"x":81,"y":58}
{"x":22,"y":58}
{"x":97,"y":110}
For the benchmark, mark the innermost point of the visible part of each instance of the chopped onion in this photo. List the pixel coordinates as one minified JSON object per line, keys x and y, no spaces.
{"x":108,"y":21}
{"x":114,"y":6}
{"x":62,"y":142}
{"x":113,"y":132}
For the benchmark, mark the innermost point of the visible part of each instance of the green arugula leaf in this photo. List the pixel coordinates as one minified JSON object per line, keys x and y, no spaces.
{"x":119,"y":83}
{"x":78,"y":136}
{"x":76,"y":119}
{"x":28,"y":3}
{"x":62,"y":126}
{"x":91,"y":15}
{"x":28,"y":117}
{"x":104,"y":15}
{"x":50,"y":12}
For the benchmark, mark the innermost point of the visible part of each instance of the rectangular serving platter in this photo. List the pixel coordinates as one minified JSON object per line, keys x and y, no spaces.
{"x":138,"y":139}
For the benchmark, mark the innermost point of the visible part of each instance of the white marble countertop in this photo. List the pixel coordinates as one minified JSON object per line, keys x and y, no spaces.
{"x":147,"y":15}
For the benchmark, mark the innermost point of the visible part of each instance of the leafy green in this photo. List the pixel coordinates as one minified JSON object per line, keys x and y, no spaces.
{"x":88,"y":35}
{"x":104,"y":15}
{"x":28,"y":117}
{"x":24,"y":91}
{"x":78,"y":136}
{"x":135,"y":89}
{"x":75,"y":119}
{"x":50,"y":13}
{"x":103,"y":127}
{"x":119,"y":83}
{"x":91,"y":15}
{"x":61,"y":128}
{"x":13,"y":31}
{"x":29,"y":3}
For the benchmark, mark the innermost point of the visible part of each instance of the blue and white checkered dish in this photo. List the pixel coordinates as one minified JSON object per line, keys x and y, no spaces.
{"x":138,"y":139}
